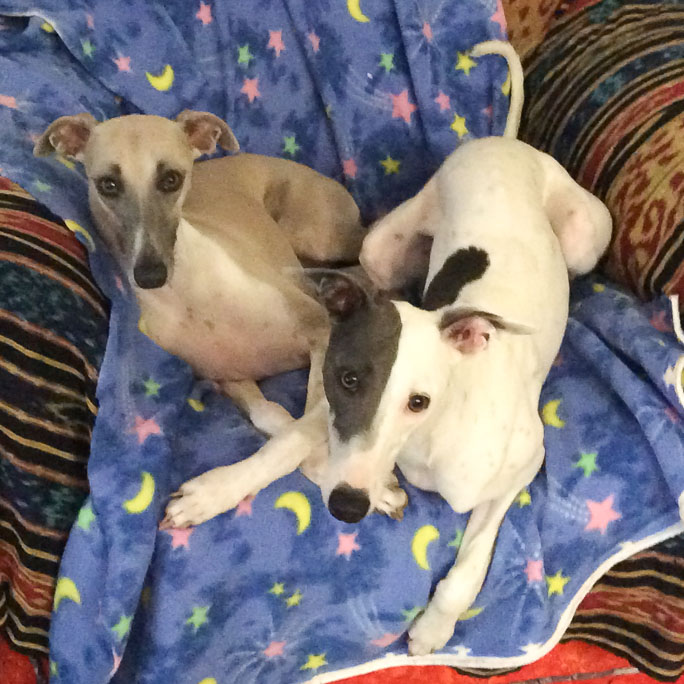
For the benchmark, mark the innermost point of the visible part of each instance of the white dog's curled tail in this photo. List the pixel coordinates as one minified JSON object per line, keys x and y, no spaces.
{"x":507,"y":51}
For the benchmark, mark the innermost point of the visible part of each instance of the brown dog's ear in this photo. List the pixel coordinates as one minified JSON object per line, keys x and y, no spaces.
{"x":205,"y":131}
{"x":68,"y":136}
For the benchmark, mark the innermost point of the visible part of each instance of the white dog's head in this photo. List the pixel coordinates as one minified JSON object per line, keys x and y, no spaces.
{"x":387,"y":372}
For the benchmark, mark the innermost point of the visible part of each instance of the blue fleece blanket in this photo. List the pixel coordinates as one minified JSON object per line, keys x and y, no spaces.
{"x":278,"y":591}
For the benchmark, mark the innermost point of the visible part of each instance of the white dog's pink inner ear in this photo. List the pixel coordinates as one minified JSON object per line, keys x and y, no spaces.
{"x":469,"y":335}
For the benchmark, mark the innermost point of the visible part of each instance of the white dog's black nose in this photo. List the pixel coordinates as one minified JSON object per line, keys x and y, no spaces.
{"x":348,"y":504}
{"x":149,"y":274}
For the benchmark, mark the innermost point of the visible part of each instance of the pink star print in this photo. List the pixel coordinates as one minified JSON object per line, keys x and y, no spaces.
{"x":117,"y":662}
{"x":8,"y":101}
{"x":346,"y":544}
{"x":250,"y":87}
{"x":659,"y":323}
{"x":534,"y":570}
{"x":245,"y":506}
{"x":672,"y":414}
{"x":118,"y":283}
{"x":180,"y":537}
{"x":145,"y":428}
{"x":427,"y":32}
{"x":488,"y":111}
{"x":601,"y":514}
{"x":315,"y":41}
{"x":349,"y":168}
{"x":401,"y":107}
{"x":275,"y":648}
{"x":443,"y":101}
{"x":204,"y":14}
{"x":385,"y":640}
{"x":275,"y":41}
{"x":123,"y":63}
{"x":499,"y":17}
{"x":90,"y":20}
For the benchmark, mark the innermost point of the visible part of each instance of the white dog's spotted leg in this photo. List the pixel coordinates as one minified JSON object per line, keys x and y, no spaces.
{"x":221,"y":489}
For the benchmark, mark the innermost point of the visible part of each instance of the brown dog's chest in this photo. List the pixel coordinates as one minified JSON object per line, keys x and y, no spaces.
{"x":224,"y":322}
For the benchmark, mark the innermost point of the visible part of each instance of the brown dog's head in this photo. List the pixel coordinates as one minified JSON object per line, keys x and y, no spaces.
{"x":138,"y":170}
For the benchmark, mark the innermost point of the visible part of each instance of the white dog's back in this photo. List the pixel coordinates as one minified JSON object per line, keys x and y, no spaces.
{"x":490,"y":195}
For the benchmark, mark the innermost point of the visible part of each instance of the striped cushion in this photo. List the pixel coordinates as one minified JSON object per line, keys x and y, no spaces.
{"x":605,"y":96}
{"x":637,"y":610}
{"x":53,"y":324}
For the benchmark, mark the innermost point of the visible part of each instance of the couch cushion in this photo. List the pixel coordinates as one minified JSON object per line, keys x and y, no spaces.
{"x":605,"y":96}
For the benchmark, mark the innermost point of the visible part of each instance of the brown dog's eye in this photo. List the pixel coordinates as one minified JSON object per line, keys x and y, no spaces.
{"x":108,"y":186}
{"x":170,"y":181}
{"x":418,"y":402}
{"x":350,"y":381}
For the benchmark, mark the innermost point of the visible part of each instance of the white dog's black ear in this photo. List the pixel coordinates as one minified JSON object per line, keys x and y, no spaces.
{"x":339,"y":293}
{"x":205,"y":131}
{"x":68,"y":136}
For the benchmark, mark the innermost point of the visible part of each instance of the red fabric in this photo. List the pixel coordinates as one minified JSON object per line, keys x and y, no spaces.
{"x":564,"y":663}
{"x":14,"y":668}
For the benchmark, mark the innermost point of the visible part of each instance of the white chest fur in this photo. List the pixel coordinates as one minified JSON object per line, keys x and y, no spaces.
{"x":488,"y":429}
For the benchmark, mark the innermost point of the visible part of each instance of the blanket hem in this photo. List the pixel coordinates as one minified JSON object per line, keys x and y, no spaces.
{"x":532,"y":654}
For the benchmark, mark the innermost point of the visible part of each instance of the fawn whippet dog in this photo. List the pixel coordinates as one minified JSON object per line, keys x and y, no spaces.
{"x":212,"y":249}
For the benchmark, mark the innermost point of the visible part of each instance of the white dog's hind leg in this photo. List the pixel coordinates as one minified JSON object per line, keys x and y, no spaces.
{"x":221,"y":489}
{"x":267,"y":416}
{"x":396,"y":250}
{"x":457,"y":591}
{"x":581,"y":222}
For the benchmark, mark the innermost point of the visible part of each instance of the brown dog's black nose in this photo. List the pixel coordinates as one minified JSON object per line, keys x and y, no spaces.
{"x":149,"y":274}
{"x":348,"y":504}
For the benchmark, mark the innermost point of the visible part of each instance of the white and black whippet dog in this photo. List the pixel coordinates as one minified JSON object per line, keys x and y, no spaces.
{"x":449,"y":392}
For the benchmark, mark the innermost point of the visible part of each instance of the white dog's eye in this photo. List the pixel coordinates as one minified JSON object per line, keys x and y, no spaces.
{"x":349,"y":380}
{"x":418,"y":402}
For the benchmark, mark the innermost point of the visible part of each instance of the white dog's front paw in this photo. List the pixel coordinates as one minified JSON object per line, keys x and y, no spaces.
{"x":430,"y":632}
{"x":393,"y":500}
{"x":208,"y":495}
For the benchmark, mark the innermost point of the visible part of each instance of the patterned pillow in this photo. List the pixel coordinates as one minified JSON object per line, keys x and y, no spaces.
{"x":528,"y":22}
{"x":605,"y":96}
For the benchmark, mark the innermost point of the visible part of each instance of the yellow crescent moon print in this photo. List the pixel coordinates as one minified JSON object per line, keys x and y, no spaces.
{"x":66,"y":589}
{"x":162,"y":82}
{"x":196,"y":405}
{"x":299,"y":505}
{"x":506,"y":87}
{"x":423,"y":536}
{"x":354,"y":9}
{"x":143,"y":498}
{"x":470,"y":613}
{"x":550,"y":414}
{"x":208,"y":680}
{"x":77,"y":228}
